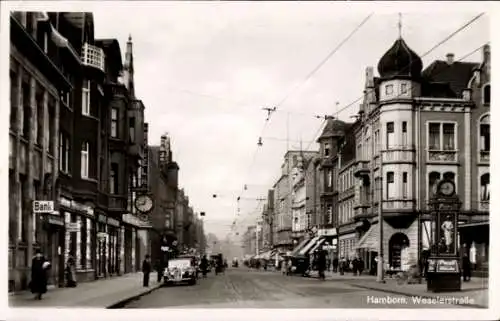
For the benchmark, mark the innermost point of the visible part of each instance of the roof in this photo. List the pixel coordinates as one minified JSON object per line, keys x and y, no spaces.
{"x":333,"y":128}
{"x":400,"y":60}
{"x":456,"y":75}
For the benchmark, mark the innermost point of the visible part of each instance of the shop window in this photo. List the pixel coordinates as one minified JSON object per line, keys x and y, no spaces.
{"x":485,"y":187}
{"x":398,"y":245}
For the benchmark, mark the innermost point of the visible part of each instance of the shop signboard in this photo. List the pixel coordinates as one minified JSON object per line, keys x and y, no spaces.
{"x":40,"y":207}
{"x":72,"y":227}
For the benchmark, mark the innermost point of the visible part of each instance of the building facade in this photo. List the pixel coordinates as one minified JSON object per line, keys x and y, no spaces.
{"x":418,"y":127}
{"x":66,"y":87}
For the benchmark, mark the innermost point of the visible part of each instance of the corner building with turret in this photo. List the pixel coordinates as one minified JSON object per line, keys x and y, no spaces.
{"x":415,"y":127}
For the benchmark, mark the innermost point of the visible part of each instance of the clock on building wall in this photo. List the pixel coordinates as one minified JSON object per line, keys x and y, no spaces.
{"x":144,"y":203}
{"x":446,"y":188}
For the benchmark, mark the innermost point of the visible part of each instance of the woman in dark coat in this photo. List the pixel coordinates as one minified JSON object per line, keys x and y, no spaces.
{"x":38,"y":282}
{"x":70,"y":272}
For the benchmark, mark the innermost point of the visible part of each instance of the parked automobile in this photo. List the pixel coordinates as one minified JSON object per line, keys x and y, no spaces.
{"x":180,"y":270}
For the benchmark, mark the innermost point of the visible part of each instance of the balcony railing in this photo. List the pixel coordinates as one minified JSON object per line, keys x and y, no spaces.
{"x":442,"y":155}
{"x":398,"y":155}
{"x":398,"y":204}
{"x":93,"y":56}
{"x":484,"y":156}
{"x":362,"y":168}
{"x":361,"y":212}
{"x":484,"y":206}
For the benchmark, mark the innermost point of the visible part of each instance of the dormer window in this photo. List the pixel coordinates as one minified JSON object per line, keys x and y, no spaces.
{"x":327,"y":149}
{"x":487,"y":94}
{"x":389,"y":89}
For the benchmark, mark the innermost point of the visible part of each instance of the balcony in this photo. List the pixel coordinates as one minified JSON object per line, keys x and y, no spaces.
{"x":93,"y":56}
{"x":399,"y":154}
{"x":442,"y":156}
{"x":398,"y":205}
{"x":362,"y":211}
{"x":362,"y":168}
{"x":484,"y":156}
{"x":484,"y":206}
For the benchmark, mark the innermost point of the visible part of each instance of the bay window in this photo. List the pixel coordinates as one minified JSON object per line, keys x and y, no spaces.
{"x":405,"y":185}
{"x":404,"y":131}
{"x":390,"y":185}
{"x":390,"y":135}
{"x":485,"y":188}
{"x":114,"y":122}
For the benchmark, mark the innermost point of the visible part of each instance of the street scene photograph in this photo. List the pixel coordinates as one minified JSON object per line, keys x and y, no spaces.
{"x":244,"y":155}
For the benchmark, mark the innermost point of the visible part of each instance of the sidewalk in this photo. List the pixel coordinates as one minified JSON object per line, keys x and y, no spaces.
{"x":95,"y":294}
{"x":474,"y":293}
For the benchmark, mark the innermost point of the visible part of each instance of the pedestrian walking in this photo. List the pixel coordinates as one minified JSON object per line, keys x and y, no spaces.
{"x":342,"y":265}
{"x":146,"y":270}
{"x":355,"y":265}
{"x":361,"y":266}
{"x":204,"y":266}
{"x":39,"y":267}
{"x":70,"y":272}
{"x":335,"y":264}
{"x":321,"y":264}
{"x":466,"y":267}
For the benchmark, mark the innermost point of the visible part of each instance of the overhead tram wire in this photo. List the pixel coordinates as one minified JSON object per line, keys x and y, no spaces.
{"x":309,"y":75}
{"x":423,"y":55}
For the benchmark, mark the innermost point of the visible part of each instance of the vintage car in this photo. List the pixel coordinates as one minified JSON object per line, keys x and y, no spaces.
{"x":180,"y":270}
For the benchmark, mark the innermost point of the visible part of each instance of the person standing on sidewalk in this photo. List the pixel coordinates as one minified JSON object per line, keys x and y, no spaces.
{"x":70,"y":272}
{"x":159,"y":269}
{"x":39,"y":266}
{"x":146,"y":270}
{"x":466,"y":268}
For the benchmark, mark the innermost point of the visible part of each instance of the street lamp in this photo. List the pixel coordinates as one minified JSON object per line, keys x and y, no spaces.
{"x":380,"y":265}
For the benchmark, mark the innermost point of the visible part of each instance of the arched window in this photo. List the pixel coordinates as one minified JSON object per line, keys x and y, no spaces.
{"x":484,"y":138}
{"x":487,"y":94}
{"x":398,"y":250}
{"x":485,"y":187}
{"x":434,"y":178}
{"x":449,"y":176}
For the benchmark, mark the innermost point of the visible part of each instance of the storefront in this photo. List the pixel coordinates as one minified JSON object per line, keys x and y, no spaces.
{"x":79,"y":237}
{"x":130,"y":244}
{"x":474,"y":239}
{"x":113,"y":227}
{"x":52,"y":246}
{"x":347,"y":246}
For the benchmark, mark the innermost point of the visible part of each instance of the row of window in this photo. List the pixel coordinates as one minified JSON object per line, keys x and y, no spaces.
{"x":442,"y":136}
{"x":346,"y":211}
{"x":346,"y":180}
{"x":405,"y":88}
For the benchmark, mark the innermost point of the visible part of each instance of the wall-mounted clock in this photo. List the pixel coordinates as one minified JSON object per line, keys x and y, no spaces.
{"x":144,"y":203}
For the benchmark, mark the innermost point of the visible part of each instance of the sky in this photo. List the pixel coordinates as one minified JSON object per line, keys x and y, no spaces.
{"x":206,"y":70}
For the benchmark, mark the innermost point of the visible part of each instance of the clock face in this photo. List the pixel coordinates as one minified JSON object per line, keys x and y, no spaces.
{"x":144,"y":203}
{"x":447,"y":188}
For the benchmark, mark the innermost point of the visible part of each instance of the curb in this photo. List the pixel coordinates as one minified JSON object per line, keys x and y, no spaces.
{"x":120,"y":304}
{"x":409,"y":294}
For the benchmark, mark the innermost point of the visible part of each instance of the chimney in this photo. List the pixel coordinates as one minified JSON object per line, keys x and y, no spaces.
{"x":486,"y":53}
{"x":450,"y":58}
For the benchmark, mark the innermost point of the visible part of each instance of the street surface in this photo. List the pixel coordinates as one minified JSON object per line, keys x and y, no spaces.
{"x":244,"y":288}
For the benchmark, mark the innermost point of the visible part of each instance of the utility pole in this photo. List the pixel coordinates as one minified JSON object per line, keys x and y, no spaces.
{"x":380,"y":265}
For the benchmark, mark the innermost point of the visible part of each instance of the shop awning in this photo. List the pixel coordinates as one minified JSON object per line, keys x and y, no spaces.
{"x":309,"y":245}
{"x":320,"y":242}
{"x":473,"y":224}
{"x":370,"y":240}
{"x":267,"y":255}
{"x":300,"y":246}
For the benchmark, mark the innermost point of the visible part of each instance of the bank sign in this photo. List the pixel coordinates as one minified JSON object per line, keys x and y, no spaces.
{"x":43,"y":207}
